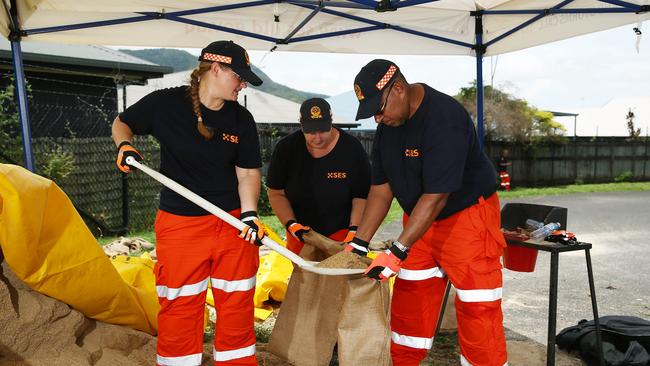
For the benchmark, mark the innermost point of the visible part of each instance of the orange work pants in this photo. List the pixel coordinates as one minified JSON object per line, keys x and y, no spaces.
{"x":192,"y":251}
{"x":505,"y":181}
{"x":464,"y":249}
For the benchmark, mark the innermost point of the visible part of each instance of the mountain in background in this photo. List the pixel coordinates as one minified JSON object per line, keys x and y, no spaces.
{"x":181,"y":60}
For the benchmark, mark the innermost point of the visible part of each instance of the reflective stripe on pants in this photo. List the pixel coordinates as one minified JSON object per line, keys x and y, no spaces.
{"x":194,"y":251}
{"x":465,"y":247}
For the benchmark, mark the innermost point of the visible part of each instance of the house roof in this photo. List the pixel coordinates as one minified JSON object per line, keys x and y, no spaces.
{"x":265,"y":107}
{"x":94,"y":57}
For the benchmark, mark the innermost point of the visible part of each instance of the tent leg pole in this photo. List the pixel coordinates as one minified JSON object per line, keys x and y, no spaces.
{"x":480,"y":50}
{"x":21,"y":102}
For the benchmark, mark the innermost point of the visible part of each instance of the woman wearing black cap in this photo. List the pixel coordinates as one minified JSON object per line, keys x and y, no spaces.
{"x":318,"y":179}
{"x":209,"y":144}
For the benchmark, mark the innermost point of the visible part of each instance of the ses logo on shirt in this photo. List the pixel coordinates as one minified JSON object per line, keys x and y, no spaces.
{"x":336,"y":175}
{"x":412,"y":153}
{"x":230,"y":138}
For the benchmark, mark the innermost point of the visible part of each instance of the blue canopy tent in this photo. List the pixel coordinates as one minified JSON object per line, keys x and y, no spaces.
{"x":476,"y":28}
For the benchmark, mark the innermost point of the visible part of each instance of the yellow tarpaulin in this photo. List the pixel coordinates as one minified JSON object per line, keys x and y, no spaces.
{"x":48,"y":246}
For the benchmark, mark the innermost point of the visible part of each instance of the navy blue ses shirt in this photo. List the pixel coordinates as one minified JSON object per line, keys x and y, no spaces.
{"x":435,"y":151}
{"x":207,"y":168}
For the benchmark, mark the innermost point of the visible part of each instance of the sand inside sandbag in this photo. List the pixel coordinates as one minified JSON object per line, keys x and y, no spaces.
{"x":343,"y":260}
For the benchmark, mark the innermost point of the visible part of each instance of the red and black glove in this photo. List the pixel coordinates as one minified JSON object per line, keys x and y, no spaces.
{"x":352,"y":231}
{"x":357,"y":246}
{"x":296,"y":229}
{"x":388,"y":263}
{"x":253,"y":232}
{"x":124,"y":150}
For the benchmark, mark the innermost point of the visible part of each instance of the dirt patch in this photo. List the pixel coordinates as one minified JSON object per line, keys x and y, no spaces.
{"x":343,"y":260}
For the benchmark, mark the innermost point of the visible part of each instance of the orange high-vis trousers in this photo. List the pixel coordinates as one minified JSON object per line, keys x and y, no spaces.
{"x":464,"y":249}
{"x":192,"y":252}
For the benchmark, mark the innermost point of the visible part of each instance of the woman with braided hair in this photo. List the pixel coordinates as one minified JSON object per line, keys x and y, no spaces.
{"x":209,"y":144}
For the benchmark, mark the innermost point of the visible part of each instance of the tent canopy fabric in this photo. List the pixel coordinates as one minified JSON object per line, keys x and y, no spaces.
{"x":346,"y":26}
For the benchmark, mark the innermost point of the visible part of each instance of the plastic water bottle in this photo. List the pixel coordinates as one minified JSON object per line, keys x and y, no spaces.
{"x":544,"y":231}
{"x":533,"y":225}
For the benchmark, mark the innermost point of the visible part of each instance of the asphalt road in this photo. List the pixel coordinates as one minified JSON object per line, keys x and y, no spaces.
{"x":618,"y":226}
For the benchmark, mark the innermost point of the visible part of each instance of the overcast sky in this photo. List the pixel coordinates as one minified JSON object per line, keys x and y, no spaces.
{"x":580,"y":72}
{"x":567,"y":76}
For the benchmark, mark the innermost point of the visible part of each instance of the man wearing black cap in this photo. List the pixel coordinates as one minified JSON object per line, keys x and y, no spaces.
{"x":208,"y":143}
{"x":426,"y":154}
{"x":318,"y":178}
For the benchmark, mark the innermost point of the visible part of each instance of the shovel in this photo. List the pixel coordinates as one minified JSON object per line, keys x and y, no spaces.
{"x":223,"y":215}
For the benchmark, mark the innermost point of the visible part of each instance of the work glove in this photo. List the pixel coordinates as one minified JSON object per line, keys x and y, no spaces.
{"x":357,"y":246}
{"x":388,"y":263}
{"x":296,"y":229}
{"x":253,"y":232}
{"x":124,"y":150}
{"x":352,"y":231}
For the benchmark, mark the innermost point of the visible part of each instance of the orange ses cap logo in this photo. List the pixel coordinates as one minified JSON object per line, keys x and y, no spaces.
{"x":315,"y":112}
{"x":357,"y":91}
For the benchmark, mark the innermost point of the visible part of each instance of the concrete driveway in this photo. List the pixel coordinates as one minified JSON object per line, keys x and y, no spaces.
{"x":618,"y":226}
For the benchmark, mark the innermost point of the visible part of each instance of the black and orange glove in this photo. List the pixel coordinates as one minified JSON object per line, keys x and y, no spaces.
{"x":352,"y":231}
{"x":253,"y":232}
{"x":296,"y":229}
{"x":124,"y":150}
{"x":357,"y":246}
{"x":388,"y":263}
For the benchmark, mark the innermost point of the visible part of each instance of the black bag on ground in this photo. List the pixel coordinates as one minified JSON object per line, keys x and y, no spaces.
{"x":626,"y":340}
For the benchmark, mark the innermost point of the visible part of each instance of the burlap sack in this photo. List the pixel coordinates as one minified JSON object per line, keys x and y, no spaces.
{"x":319,"y":311}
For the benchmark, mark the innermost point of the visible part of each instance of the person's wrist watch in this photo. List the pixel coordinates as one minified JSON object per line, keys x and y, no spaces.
{"x":401,"y":246}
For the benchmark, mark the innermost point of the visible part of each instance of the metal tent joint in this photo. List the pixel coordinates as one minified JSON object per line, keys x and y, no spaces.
{"x":643,"y":9}
{"x":16,"y":36}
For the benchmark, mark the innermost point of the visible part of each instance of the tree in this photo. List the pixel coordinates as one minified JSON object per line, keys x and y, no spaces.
{"x":54,"y":163}
{"x":509,"y":118}
{"x":631,"y":130}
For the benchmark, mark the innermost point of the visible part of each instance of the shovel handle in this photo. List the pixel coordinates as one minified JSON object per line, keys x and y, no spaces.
{"x":211,"y":208}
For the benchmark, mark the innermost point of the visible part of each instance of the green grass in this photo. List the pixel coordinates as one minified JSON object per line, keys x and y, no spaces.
{"x":576,"y":188}
{"x":274,"y":224}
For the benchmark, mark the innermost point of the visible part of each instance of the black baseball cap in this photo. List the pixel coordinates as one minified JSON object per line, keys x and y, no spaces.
{"x":315,"y":115}
{"x":370,"y":83}
{"x":232,"y":55}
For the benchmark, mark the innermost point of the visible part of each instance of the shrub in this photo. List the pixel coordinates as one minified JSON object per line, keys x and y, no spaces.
{"x":626,"y":176}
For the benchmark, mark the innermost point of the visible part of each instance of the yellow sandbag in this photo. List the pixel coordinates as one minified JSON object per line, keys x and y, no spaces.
{"x":48,"y":246}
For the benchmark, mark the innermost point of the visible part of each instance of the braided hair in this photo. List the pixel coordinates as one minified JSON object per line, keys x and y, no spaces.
{"x":195,"y":79}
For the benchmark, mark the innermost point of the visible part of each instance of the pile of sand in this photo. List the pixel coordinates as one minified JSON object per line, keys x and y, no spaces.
{"x":39,"y":330}
{"x":343,"y":260}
